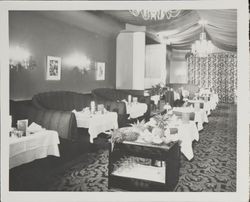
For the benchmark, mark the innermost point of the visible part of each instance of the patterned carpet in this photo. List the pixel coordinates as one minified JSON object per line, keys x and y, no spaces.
{"x":213,"y":168}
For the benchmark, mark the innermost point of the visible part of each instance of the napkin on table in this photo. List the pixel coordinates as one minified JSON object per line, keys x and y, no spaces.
{"x":34,"y":127}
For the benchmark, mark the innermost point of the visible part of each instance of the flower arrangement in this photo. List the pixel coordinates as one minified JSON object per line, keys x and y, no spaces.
{"x":157,"y":89}
{"x":161,"y":121}
{"x":128,"y":133}
{"x":156,"y":131}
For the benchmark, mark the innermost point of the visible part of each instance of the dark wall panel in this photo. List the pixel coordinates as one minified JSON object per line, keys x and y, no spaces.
{"x":45,"y":37}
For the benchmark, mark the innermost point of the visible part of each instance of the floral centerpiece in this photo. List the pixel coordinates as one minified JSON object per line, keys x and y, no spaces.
{"x":156,"y":131}
{"x":128,"y":133}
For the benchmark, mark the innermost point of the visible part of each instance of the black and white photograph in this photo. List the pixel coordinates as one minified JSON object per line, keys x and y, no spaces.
{"x":169,"y":117}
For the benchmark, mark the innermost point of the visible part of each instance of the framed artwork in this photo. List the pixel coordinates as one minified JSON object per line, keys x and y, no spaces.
{"x":22,"y":125}
{"x":100,"y":71}
{"x":53,"y":68}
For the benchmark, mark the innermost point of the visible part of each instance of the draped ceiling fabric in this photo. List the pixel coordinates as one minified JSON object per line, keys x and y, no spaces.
{"x":217,"y":71}
{"x":182,"y":31}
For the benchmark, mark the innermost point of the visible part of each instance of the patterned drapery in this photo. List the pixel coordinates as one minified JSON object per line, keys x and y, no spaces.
{"x":217,"y":71}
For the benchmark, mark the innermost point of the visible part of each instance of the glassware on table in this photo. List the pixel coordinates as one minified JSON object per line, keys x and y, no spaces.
{"x":100,"y":108}
{"x":129,"y":99}
{"x":135,"y":100}
{"x":92,"y":107}
{"x":14,"y":133}
{"x":19,"y":133}
{"x":86,"y":110}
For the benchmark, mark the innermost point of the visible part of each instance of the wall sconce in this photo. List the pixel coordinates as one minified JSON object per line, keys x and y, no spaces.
{"x":80,"y":61}
{"x":20,"y":58}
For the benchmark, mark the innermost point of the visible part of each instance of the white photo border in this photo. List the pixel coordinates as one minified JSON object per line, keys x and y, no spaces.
{"x":241,"y":195}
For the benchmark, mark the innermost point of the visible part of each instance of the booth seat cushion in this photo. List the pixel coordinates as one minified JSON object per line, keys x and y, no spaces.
{"x":119,"y":95}
{"x":61,"y":100}
{"x":116,"y":94}
{"x":68,"y":101}
{"x":61,"y":121}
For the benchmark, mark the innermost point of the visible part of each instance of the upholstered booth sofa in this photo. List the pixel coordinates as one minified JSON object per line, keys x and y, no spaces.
{"x":111,"y":94}
{"x":63,"y":122}
{"x":66,"y":101}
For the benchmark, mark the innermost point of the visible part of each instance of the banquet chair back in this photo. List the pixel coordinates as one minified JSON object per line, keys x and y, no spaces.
{"x":201,"y":105}
{"x":178,"y":114}
{"x":187,"y":116}
{"x":197,"y":105}
{"x":191,"y":116}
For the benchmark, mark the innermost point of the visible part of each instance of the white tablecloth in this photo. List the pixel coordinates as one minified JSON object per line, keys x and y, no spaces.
{"x":214,"y":100}
{"x":35,"y":146}
{"x":187,"y":133}
{"x":136,"y":109}
{"x":155,"y":98}
{"x":97,"y":123}
{"x":207,"y":105}
{"x":200,"y":115}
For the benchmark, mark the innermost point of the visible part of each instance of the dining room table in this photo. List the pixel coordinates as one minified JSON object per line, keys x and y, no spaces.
{"x":187,"y":133}
{"x":135,"y":109}
{"x":207,"y":106}
{"x":97,"y":122}
{"x":214,"y":100}
{"x":34,"y":146}
{"x":200,"y":115}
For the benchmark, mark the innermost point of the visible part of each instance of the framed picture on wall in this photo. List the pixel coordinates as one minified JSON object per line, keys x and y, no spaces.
{"x":100,"y":71}
{"x":53,"y":68}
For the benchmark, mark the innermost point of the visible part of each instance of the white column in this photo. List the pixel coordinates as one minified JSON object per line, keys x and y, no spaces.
{"x":130,"y":60}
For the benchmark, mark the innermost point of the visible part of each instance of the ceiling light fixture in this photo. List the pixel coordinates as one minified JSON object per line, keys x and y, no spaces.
{"x":155,"y":14}
{"x":202,"y":47}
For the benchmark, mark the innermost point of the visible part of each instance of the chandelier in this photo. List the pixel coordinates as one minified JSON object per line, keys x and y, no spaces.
{"x":155,"y":14}
{"x":202,"y":47}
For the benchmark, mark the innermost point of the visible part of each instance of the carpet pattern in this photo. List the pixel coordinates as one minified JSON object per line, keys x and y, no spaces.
{"x":213,"y":168}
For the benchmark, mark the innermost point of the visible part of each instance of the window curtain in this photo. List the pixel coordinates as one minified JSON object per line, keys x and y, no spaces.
{"x":217,"y":71}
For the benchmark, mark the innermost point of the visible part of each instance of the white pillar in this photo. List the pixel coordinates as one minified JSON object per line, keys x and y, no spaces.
{"x":130,"y":60}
